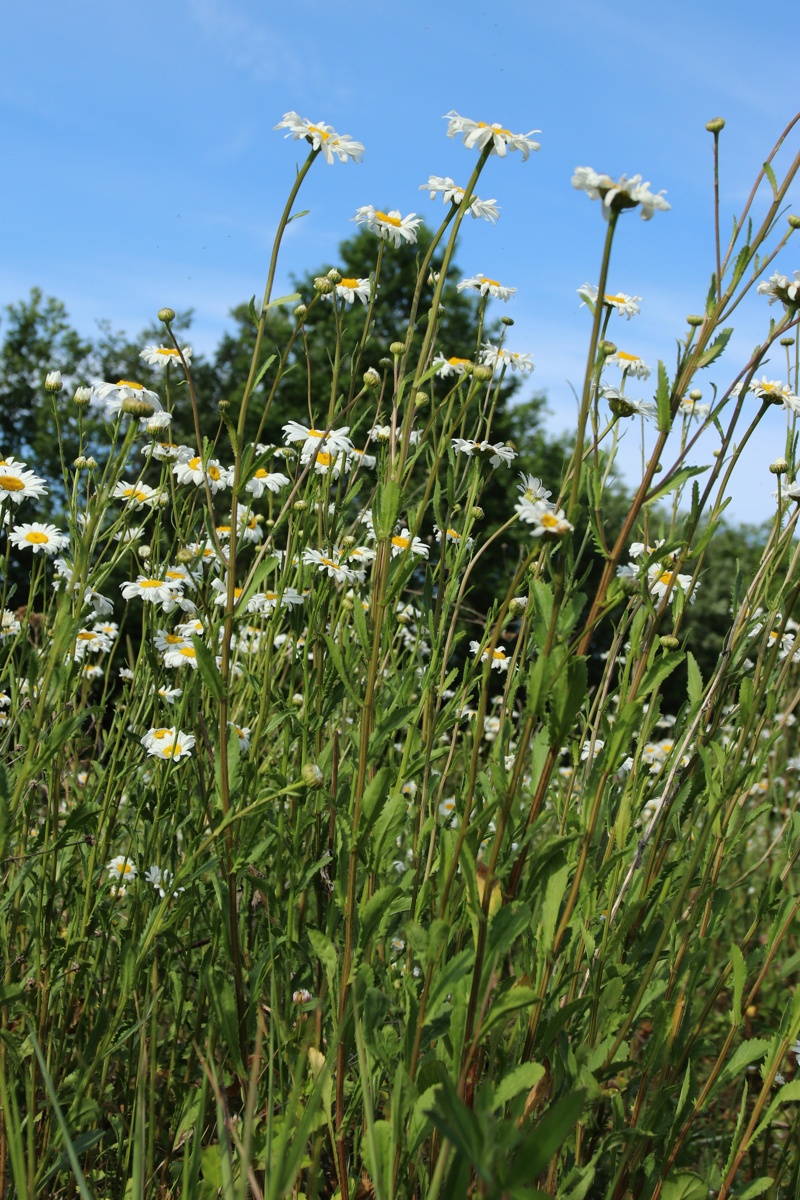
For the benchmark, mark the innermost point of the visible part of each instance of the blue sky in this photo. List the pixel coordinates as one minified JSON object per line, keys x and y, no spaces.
{"x":141,"y":167}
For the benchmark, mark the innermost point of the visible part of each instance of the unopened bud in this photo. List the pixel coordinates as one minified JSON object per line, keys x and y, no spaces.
{"x":669,"y":642}
{"x":794,"y":220}
{"x":91,"y":463}
{"x":385,"y":363}
{"x":620,"y":407}
{"x":53,"y":382}
{"x":312,"y":775}
{"x":476,"y":512}
{"x":223,"y":404}
{"x":716,"y":125}
{"x":507,"y":321}
{"x":303,"y":996}
{"x":483,"y":373}
{"x":82,"y":396}
{"x":348,"y":541}
{"x":144,"y":551}
{"x":694,"y":320}
{"x":185,"y":556}
{"x":166,"y":315}
{"x":606,"y":348}
{"x":300,"y":506}
{"x":371,"y":378}
{"x":779,"y":467}
{"x":397,"y":348}
{"x":80,"y":462}
{"x":517,"y":606}
{"x":136,"y":407}
{"x":323,"y":285}
{"x":787,"y":341}
{"x":300,"y":312}
{"x":421,"y":399}
{"x":334,"y":276}
{"x":695,"y":394}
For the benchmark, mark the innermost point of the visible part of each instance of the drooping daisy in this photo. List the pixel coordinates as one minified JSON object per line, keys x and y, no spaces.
{"x":499,"y":356}
{"x":450,"y":191}
{"x":17,"y":484}
{"x":391,"y":226}
{"x":243,"y":734}
{"x":190,"y":470}
{"x":625,"y":193}
{"x":478,"y":134}
{"x":544,"y":518}
{"x":322,"y":137}
{"x":451,"y":366}
{"x":497,"y":453}
{"x":38,"y":537}
{"x":626,"y":306}
{"x":403,"y":541}
{"x":160,"y":356}
{"x":350,"y":290}
{"x":499,"y":658}
{"x":626,"y":406}
{"x":169,"y":694}
{"x":161,"y":878}
{"x":156,"y":423}
{"x":532,"y":488}
{"x":163,"y":451}
{"x":486,"y":287}
{"x":780,"y":287}
{"x":776,"y":392}
{"x":630,"y":364}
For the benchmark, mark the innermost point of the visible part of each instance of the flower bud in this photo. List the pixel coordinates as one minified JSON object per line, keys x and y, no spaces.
{"x":91,"y":463}
{"x":385,"y":363}
{"x":421,"y":399}
{"x":620,"y":407}
{"x":303,"y":996}
{"x":787,"y":341}
{"x":779,"y":467}
{"x":222,"y":405}
{"x":716,"y":125}
{"x":507,"y":321}
{"x":324,"y":286}
{"x":136,"y":407}
{"x":312,"y":775}
{"x":82,"y":396}
{"x":300,"y":312}
{"x":144,"y":551}
{"x":334,"y":276}
{"x":668,"y":641}
{"x":606,"y":348}
{"x":794,"y":220}
{"x":53,"y":382}
{"x":694,"y":320}
{"x":300,"y":506}
{"x":483,"y":373}
{"x":397,"y":348}
{"x":80,"y":462}
{"x":695,"y":394}
{"x":347,"y":541}
{"x":517,"y":606}
{"x":166,"y":315}
{"x":371,"y":378}
{"x":185,"y":556}
{"x":476,"y":512}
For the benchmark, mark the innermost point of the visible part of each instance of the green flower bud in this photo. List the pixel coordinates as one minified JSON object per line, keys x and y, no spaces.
{"x":312,"y":775}
{"x":694,"y":320}
{"x":668,"y":641}
{"x":779,"y":467}
{"x":334,"y":276}
{"x":716,"y":125}
{"x":507,"y":321}
{"x":82,"y":396}
{"x":53,"y":382}
{"x":323,"y":285}
{"x":136,"y":408}
{"x":166,"y":315}
{"x":397,"y":348}
{"x":793,"y":220}
{"x":483,"y":374}
{"x":371,"y":378}
{"x":300,"y":312}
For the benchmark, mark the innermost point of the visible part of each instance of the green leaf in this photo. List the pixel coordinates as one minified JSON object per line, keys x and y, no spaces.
{"x":537,"y":1150}
{"x":658,"y":672}
{"x":324,"y":950}
{"x":686,"y":1186}
{"x":770,"y":174}
{"x":739,"y":975}
{"x":566,"y":698}
{"x":209,"y":671}
{"x":452,"y":1118}
{"x":757,"y":1188}
{"x":662,"y":400}
{"x":251,"y":311}
{"x":341,"y":670}
{"x":749,"y":1052}
{"x":263,"y":370}
{"x":385,"y":508}
{"x":674,"y":481}
{"x":520,"y":1079}
{"x":742,"y":259}
{"x":259,"y":575}
{"x":712,"y":352}
{"x":290,"y":299}
{"x":297,"y":216}
{"x":695,"y":679}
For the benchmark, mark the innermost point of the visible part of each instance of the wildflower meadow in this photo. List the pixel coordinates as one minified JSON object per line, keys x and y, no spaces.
{"x":385,"y":809}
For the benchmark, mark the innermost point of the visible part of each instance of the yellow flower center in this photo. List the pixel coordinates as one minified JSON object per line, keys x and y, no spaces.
{"x":453,"y":534}
{"x":496,"y":128}
{"x":324,"y":459}
{"x":549,"y":520}
{"x":631,"y":358}
{"x":168,"y":352}
{"x":321,"y":133}
{"x":666,"y":577}
{"x":86,"y":637}
{"x":491,"y":282}
{"x":316,"y":433}
{"x":262,"y":473}
{"x":173,"y":639}
{"x":388,"y":220}
{"x":124,"y":868}
{"x":349,"y":283}
{"x":457,"y":362}
{"x":270,"y":596}
{"x":213,"y":472}
{"x":615,"y":299}
{"x":133,"y":493}
{"x":401,"y":542}
{"x":499,"y":654}
{"x":150,"y":583}
{"x":328,"y":562}
{"x":160,"y":734}
{"x":11,"y":483}
{"x":188,"y":652}
{"x":138,"y":387}
{"x":175,"y":575}
{"x":36,"y":537}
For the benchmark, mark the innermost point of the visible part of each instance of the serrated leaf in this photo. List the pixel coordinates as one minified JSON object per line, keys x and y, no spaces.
{"x":770,"y":174}
{"x":658,"y":672}
{"x":757,"y":1188}
{"x":662,"y":399}
{"x":675,"y":481}
{"x":712,"y":352}
{"x":695,"y":679}
{"x":251,"y":311}
{"x":520,"y":1079}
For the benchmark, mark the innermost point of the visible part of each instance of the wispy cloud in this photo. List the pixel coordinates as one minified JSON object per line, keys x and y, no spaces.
{"x":249,"y":44}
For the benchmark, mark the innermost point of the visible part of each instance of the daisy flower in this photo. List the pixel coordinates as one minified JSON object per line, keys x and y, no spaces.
{"x":626,"y":406}
{"x":17,"y":484}
{"x":91,"y":641}
{"x":121,"y":868}
{"x":46,"y":539}
{"x":391,"y":226}
{"x":497,"y":454}
{"x":486,"y":287}
{"x":626,"y":193}
{"x":776,"y":392}
{"x":9,"y":625}
{"x":161,"y":879}
{"x":780,"y":287}
{"x":451,"y":366}
{"x":168,"y":743}
{"x":190,"y":470}
{"x":498,"y":356}
{"x":322,"y":137}
{"x":626,"y":306}
{"x":499,"y":658}
{"x":532,"y":488}
{"x":180,"y":656}
{"x":403,"y":541}
{"x":243,"y":735}
{"x":333,"y":441}
{"x":125,"y":395}
{"x":135,"y":494}
{"x":350,"y":290}
{"x":691,"y":408}
{"x":265,"y":603}
{"x":661,"y":578}
{"x":156,"y":422}
{"x":477,"y":135}
{"x":332,"y":565}
{"x":544,"y":518}
{"x":631,"y":364}
{"x":153,"y":591}
{"x":163,"y":451}
{"x":450,"y":191}
{"x":160,"y":356}
{"x":452,"y":536}
{"x":169,"y":694}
